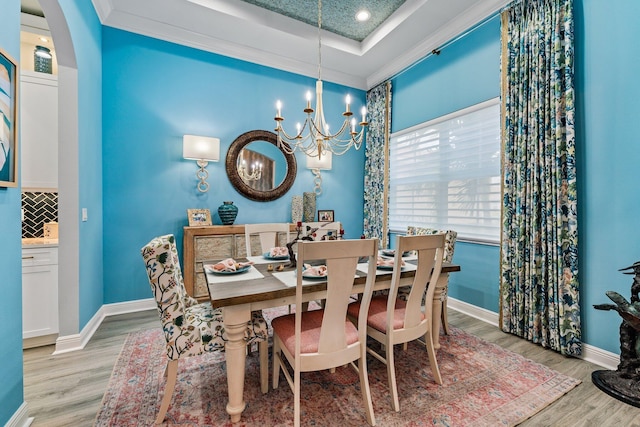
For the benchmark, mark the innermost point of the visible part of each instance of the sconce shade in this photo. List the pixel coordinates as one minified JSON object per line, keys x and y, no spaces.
{"x":200,"y":148}
{"x":323,"y":164}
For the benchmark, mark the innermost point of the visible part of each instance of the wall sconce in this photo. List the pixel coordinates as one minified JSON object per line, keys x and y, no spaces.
{"x":203,"y":150}
{"x":316,"y":165}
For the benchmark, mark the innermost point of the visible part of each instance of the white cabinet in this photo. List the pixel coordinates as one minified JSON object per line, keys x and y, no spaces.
{"x":39,"y":130}
{"x":40,"y":294}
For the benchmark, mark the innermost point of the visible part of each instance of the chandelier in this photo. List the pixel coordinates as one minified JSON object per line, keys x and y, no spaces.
{"x":254,"y":175}
{"x":313,"y":137}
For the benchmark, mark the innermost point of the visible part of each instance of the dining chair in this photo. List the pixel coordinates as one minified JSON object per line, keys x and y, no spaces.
{"x":190,"y":328}
{"x":450,"y":238}
{"x":392,"y":320}
{"x":324,"y":339}
{"x":269,"y":235}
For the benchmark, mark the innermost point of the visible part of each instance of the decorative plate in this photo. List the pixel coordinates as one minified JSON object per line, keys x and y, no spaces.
{"x":275,"y":258}
{"x":387,"y":267}
{"x":314,"y":277}
{"x":392,"y":253}
{"x":209,"y":269}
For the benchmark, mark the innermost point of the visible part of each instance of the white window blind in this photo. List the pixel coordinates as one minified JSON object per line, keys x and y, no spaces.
{"x":445,"y":174}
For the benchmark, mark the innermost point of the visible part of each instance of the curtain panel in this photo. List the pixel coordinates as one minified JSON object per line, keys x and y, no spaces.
{"x":376,"y":176}
{"x":539,"y":298}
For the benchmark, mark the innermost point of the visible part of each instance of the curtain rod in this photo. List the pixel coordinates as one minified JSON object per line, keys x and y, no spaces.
{"x":438,"y":50}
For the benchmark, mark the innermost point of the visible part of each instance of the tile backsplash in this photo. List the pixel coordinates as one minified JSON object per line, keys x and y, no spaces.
{"x":39,"y":208}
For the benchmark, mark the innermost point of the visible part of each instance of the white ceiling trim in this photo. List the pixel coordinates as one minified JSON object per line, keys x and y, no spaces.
{"x":452,"y":29}
{"x":173,"y":34}
{"x":336,"y":51}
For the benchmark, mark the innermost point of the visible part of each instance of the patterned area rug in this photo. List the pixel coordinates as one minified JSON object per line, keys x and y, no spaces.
{"x":483,"y":385}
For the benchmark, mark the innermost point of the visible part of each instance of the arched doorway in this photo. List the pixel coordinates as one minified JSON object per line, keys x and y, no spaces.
{"x":68,"y":194}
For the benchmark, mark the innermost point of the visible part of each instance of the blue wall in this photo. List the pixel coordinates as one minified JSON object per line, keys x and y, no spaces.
{"x":607,"y":63}
{"x":465,"y":73}
{"x":11,"y":392}
{"x":153,"y":93}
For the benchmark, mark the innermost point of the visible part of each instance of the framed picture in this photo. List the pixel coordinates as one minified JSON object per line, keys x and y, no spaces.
{"x":325,"y":216}
{"x":8,"y":121}
{"x":199,"y":217}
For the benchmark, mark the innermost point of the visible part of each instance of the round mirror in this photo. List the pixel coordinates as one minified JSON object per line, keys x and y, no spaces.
{"x":259,"y":169}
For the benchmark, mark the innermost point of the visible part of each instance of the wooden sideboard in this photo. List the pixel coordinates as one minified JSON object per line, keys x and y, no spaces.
{"x":211,"y":243}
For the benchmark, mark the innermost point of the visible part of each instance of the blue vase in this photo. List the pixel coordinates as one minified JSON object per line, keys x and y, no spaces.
{"x":227,"y":212}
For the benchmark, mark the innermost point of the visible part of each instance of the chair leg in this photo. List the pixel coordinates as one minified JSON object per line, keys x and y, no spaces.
{"x":296,"y":394}
{"x":443,"y":316}
{"x":391,"y":375}
{"x":431,"y":351}
{"x":263,"y":348}
{"x":275,"y":375}
{"x":364,"y":387}
{"x":172,"y":373}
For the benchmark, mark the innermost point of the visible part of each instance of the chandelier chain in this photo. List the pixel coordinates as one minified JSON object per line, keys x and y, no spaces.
{"x":319,"y":40}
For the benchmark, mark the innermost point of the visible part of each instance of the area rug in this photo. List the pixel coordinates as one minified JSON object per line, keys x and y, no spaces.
{"x":483,"y":385}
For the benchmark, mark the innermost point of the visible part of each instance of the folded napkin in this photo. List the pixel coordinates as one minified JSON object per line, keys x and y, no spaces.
{"x":388,"y":262}
{"x":278,"y":251}
{"x":315,"y":271}
{"x":229,"y":264}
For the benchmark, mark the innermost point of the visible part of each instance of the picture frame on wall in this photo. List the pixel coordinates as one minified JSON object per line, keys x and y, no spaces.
{"x":8,"y":120}
{"x":325,"y":216}
{"x":198,"y":217}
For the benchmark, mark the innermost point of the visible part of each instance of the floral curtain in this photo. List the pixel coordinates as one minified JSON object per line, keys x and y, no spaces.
{"x":376,"y":177}
{"x":539,"y":298}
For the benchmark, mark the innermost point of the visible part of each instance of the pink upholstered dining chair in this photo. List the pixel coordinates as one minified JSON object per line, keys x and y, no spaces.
{"x":190,"y":328}
{"x":325,"y":338}
{"x":392,"y":320}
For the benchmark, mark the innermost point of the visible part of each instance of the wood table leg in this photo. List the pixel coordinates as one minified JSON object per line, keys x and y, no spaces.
{"x":235,"y":323}
{"x":441,"y":287}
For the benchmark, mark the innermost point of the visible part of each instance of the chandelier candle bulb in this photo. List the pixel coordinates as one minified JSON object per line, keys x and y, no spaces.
{"x":279,"y":110}
{"x":347,"y":112}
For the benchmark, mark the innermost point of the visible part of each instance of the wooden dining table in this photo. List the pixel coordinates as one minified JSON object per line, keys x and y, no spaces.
{"x":261,"y":289}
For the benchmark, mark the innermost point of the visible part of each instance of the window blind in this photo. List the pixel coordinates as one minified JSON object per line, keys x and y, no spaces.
{"x":445,"y":174}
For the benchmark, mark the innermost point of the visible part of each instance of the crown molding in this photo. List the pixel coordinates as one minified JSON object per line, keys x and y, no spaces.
{"x":448,"y":32}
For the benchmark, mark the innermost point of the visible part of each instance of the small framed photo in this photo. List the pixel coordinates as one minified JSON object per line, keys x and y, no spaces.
{"x":325,"y":216}
{"x":199,"y":217}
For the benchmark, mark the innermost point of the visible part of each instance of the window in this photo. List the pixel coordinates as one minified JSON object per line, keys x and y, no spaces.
{"x":446,"y":174}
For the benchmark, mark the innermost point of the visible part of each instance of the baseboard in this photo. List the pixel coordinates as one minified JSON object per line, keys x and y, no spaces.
{"x":67,"y":343}
{"x":474,"y":311}
{"x":600,"y":357}
{"x":590,"y":353}
{"x":20,"y":418}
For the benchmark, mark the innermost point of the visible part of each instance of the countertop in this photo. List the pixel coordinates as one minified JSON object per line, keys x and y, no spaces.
{"x":38,"y":242}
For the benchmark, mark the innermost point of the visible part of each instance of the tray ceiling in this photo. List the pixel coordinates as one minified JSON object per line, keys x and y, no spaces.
{"x":283,"y":34}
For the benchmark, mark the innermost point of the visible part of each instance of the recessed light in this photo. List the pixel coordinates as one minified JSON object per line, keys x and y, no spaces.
{"x":363,"y":15}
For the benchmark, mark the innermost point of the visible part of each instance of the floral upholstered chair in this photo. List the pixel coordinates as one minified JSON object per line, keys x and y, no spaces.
{"x":190,"y":328}
{"x":450,"y":238}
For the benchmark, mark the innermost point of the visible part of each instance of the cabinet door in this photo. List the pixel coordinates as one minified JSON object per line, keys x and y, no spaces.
{"x":39,"y":300}
{"x":39,"y":130}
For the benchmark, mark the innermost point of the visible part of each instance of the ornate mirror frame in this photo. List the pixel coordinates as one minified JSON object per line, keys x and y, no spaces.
{"x":231,"y":165}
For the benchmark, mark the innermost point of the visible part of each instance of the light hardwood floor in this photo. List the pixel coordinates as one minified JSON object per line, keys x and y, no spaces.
{"x":66,"y":390}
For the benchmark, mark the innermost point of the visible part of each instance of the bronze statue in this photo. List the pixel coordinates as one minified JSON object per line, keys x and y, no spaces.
{"x":292,"y":256}
{"x":624,"y":383}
